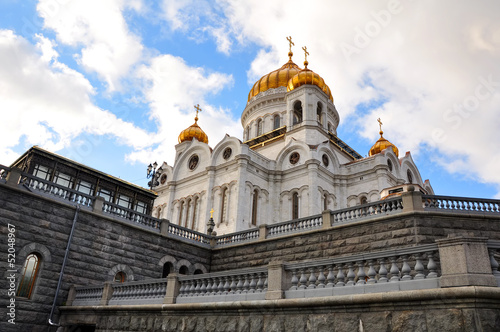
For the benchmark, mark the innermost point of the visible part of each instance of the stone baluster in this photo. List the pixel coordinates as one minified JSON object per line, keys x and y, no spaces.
{"x":340,"y":276}
{"x":260,"y":283}
{"x":246,"y":284}
{"x":371,"y":272}
{"x":239,"y":286}
{"x":350,"y":275}
{"x":215,"y":283}
{"x":394,"y":270}
{"x":203,"y":287}
{"x":331,"y":277}
{"x":321,"y":277}
{"x":197,"y":289}
{"x":419,"y":267}
{"x":220,"y":287}
{"x":295,"y":280}
{"x":361,"y":273}
{"x":431,"y":265}
{"x":406,"y":269}
{"x":226,"y":285}
{"x":303,"y":279}
{"x":209,"y":286}
{"x":232,"y":286}
{"x":266,"y":281}
{"x":253,"y":283}
{"x":312,"y":279}
{"x":382,"y":272}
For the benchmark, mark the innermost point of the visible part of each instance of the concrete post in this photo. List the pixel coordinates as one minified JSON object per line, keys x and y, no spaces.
{"x":412,"y":200}
{"x":465,"y":261}
{"x":13,"y":177}
{"x":262,"y":232}
{"x":275,"y":280}
{"x":98,"y":205}
{"x":327,"y":219}
{"x":173,"y":286}
{"x":164,"y":227}
{"x":107,"y":292}
{"x":71,"y":295}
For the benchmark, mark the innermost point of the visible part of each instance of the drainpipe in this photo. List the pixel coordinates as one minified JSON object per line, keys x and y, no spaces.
{"x":61,"y":274}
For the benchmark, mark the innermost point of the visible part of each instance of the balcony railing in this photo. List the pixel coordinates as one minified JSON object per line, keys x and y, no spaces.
{"x":460,"y":204}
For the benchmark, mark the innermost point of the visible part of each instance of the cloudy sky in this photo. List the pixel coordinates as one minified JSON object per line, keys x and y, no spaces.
{"x":111,"y":83}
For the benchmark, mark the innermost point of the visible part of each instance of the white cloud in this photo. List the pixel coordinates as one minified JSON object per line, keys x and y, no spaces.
{"x":47,"y":103}
{"x":171,"y":88}
{"x":109,"y":48}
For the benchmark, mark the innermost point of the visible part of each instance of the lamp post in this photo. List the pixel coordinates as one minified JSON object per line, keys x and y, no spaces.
{"x":153,"y":174}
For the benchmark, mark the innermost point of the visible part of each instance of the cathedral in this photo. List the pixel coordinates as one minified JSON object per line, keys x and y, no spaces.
{"x":291,"y":163}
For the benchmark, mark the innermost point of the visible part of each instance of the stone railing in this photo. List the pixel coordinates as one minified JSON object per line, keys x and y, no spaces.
{"x":131,"y":215}
{"x":294,"y":226}
{"x":391,"y":270}
{"x":4,"y":171}
{"x":460,"y":204}
{"x":238,"y":237}
{"x":90,"y":295}
{"x":235,"y":285}
{"x":54,"y":190}
{"x":370,"y":210}
{"x":189,"y":235}
{"x":138,"y":292}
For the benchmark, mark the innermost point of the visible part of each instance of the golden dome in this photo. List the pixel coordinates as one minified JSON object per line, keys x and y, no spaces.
{"x":307,"y":76}
{"x":381,"y":145}
{"x":193,"y":131}
{"x":275,"y":79}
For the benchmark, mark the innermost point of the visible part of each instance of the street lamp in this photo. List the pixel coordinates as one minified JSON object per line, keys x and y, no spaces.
{"x":153,"y":174}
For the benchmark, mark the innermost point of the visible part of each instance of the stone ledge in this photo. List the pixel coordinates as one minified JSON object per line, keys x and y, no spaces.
{"x":414,"y":297}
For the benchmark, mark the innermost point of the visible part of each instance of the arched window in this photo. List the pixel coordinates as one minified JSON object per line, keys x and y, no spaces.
{"x":276,"y":122}
{"x":183,"y":270}
{"x":248,"y":132}
{"x":363,"y":200}
{"x":195,"y":210}
{"x":28,"y":275}
{"x":319,"y":113}
{"x":223,"y":207}
{"x":255,"y":202}
{"x":198,"y":271}
{"x":120,"y":277}
{"x":259,"y":127}
{"x":297,"y":112}
{"x":389,"y":164}
{"x":295,"y":206}
{"x":167,"y":268}
{"x":325,"y":202}
{"x":186,"y":216}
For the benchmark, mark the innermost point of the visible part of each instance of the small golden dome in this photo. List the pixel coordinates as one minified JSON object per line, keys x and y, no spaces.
{"x":307,"y":76}
{"x":193,"y":131}
{"x":275,"y":79}
{"x":382,"y":144}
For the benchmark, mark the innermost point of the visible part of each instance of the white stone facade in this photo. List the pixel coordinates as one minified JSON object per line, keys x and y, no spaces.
{"x":285,"y":169}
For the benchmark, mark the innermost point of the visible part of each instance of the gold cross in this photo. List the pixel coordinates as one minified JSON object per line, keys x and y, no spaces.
{"x":380,"y":123}
{"x":305,"y":52}
{"x":198,"y":109}
{"x":289,"y":38}
{"x":211,"y":213}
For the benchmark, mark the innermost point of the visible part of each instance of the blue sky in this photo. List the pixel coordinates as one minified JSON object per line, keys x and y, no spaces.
{"x":112,"y":83}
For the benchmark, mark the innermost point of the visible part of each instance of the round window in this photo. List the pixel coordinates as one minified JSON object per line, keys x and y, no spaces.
{"x":163,"y":178}
{"x":325,"y":159}
{"x":227,"y":153}
{"x":193,"y":162}
{"x":294,"y":158}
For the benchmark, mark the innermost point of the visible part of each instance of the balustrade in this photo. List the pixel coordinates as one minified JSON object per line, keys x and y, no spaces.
{"x":375,"y":209}
{"x":385,"y":271}
{"x":295,"y":226}
{"x":239,"y":237}
{"x":432,"y":202}
{"x":188,"y":234}
{"x":139,"y":292}
{"x":88,"y":295}
{"x":227,"y":286}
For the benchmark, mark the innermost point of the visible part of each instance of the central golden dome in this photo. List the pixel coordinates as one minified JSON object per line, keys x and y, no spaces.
{"x":275,"y":79}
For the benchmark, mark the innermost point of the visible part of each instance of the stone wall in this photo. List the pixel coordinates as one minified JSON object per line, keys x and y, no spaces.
{"x":395,"y":231}
{"x":460,"y":309}
{"x":100,"y":246}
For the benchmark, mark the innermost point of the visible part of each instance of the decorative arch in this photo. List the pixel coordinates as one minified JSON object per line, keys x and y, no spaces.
{"x":186,"y":263}
{"x":292,"y":146}
{"x":334,"y":160}
{"x":34,"y":247}
{"x":198,"y":266}
{"x":129,"y":274}
{"x":201,"y":149}
{"x":218,"y":151}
